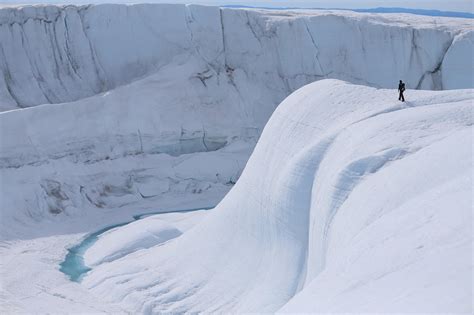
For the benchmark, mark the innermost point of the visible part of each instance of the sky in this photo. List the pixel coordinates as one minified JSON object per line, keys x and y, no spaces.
{"x":443,"y":5}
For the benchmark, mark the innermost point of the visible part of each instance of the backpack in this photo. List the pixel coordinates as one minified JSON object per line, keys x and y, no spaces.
{"x":403,"y":87}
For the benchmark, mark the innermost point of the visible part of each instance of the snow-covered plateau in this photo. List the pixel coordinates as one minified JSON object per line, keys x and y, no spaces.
{"x":351,"y":201}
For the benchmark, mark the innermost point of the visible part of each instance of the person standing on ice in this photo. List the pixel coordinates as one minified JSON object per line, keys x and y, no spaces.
{"x":401,"y":89}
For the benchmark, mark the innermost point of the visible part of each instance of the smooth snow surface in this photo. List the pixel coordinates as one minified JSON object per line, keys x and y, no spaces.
{"x":219,"y":56}
{"x":135,"y":236}
{"x":351,"y":202}
{"x":108,"y":244}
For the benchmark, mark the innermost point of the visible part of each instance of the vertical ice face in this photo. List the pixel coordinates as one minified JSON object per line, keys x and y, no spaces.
{"x":458,"y":66}
{"x":47,"y":57}
{"x":55,"y":54}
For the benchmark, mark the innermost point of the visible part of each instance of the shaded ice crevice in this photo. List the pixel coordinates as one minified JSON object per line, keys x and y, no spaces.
{"x":435,"y":73}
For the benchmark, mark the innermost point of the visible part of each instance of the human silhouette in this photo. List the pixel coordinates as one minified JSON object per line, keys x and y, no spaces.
{"x":401,"y":89}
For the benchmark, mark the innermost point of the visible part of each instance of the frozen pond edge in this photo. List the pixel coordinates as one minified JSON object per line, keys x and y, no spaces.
{"x":73,"y":264}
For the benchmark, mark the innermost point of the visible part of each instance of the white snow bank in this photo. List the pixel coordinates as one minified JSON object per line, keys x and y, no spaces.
{"x":351,"y":201}
{"x":56,"y":54}
{"x":138,"y":235}
{"x":409,"y":250}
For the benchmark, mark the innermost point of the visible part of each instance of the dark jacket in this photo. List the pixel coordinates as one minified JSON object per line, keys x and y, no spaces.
{"x":401,"y":87}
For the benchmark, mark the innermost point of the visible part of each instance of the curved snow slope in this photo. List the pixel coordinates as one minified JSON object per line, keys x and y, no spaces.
{"x":351,"y":202}
{"x":141,"y":234}
{"x":55,"y":54}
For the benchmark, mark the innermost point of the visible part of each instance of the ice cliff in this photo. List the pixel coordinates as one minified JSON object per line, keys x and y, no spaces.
{"x":56,"y":54}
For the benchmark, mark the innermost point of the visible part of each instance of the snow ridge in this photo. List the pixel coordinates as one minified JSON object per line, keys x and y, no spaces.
{"x":313,"y":206}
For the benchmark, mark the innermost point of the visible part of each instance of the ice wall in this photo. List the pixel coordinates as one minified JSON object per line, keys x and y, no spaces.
{"x":55,"y":54}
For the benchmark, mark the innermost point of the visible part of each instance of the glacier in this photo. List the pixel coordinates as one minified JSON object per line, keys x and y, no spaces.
{"x":350,"y":201}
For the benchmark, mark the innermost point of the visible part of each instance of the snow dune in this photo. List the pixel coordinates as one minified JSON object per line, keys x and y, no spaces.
{"x":350,"y":202}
